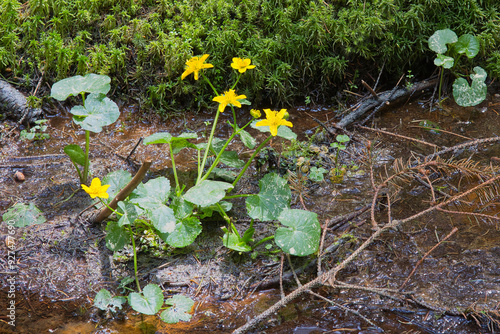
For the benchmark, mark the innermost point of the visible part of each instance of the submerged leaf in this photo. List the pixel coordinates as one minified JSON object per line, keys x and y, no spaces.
{"x":149,"y":302}
{"x":178,"y":311}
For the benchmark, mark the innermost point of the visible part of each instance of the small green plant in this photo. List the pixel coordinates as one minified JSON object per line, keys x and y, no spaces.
{"x":36,"y":132}
{"x":316,"y":174}
{"x":95,"y":112}
{"x":450,"y":49}
{"x":340,"y":145}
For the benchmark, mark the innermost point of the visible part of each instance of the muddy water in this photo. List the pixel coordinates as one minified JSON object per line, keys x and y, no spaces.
{"x":55,"y":296}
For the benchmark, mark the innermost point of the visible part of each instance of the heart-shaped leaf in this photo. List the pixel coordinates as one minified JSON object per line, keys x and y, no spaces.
{"x":162,"y":217}
{"x":75,"y":153}
{"x":178,"y":311}
{"x":98,"y":111}
{"x":445,"y":61}
{"x":152,"y":194}
{"x":302,"y":234}
{"x":116,"y":236}
{"x":467,"y":44}
{"x":474,"y":94}
{"x":186,"y":231}
{"x":91,"y":83}
{"x":178,"y":143}
{"x":104,"y":301}
{"x":273,"y":197}
{"x":23,"y":215}
{"x":149,"y":302}
{"x":247,"y":139}
{"x":207,"y":192}
{"x":438,"y":41}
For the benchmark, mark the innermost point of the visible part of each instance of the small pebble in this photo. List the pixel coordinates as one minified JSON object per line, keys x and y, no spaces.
{"x":18,"y":176}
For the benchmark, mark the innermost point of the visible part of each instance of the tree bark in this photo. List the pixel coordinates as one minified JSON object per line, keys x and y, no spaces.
{"x":13,"y":105}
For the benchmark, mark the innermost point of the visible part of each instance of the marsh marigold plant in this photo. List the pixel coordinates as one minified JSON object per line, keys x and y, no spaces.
{"x":241,"y":65}
{"x":229,"y":97}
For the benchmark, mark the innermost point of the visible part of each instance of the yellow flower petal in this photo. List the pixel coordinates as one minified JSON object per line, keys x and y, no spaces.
{"x":274,"y":120}
{"x":228,"y":97}
{"x":194,"y":65}
{"x":96,"y":189}
{"x":242,"y":64}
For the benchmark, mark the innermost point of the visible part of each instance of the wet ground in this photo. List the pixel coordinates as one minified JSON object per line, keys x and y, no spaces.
{"x":62,"y":264}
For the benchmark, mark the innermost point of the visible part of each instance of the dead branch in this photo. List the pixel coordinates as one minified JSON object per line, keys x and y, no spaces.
{"x":14,"y":104}
{"x":385,"y":99}
{"x":330,"y":275}
{"x":127,"y":190}
{"x":398,"y":136}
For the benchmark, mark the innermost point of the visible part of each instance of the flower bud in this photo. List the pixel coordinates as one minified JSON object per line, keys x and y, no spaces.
{"x":255,"y":113}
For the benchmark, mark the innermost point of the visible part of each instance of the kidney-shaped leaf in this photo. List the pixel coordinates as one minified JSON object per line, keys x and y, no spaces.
{"x":104,"y":301}
{"x":467,"y":44}
{"x":116,"y":236}
{"x":129,"y":213}
{"x":99,"y":111}
{"x":445,"y":61}
{"x":151,"y":194}
{"x":207,"y":192}
{"x":178,"y":143}
{"x":467,"y":96}
{"x":91,"y":83}
{"x":178,"y":311}
{"x":186,"y":231}
{"x":162,"y":217}
{"x":438,"y":41}
{"x":302,"y":234}
{"x":283,"y":131}
{"x":23,"y":215}
{"x":273,"y":197}
{"x":149,"y":302}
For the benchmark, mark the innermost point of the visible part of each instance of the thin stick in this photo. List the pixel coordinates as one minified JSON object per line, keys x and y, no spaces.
{"x":398,"y":136}
{"x":455,"y":229}
{"x":367,"y":86}
{"x":105,"y":212}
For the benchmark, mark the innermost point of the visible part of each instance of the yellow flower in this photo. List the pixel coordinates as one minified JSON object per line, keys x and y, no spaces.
{"x":255,"y":113}
{"x":274,"y":120}
{"x":228,"y":97}
{"x":242,"y":64}
{"x":194,"y":65}
{"x":96,"y":189}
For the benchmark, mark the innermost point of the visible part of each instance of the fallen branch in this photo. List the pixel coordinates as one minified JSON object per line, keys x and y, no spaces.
{"x":123,"y":194}
{"x":384,"y":99}
{"x":14,"y":105}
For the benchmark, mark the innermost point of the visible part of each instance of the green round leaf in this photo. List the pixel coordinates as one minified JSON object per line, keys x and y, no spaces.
{"x":91,"y":83}
{"x":185,"y":233}
{"x":104,"y":301}
{"x":474,"y":94}
{"x":149,"y":302}
{"x":129,"y":213}
{"x":273,"y":197}
{"x":467,"y":44}
{"x":117,"y":180}
{"x":445,"y":61}
{"x":151,"y":194}
{"x":98,"y":111}
{"x":116,"y":236}
{"x":438,"y":41}
{"x":207,"y":192}
{"x":162,"y":217}
{"x":178,"y":311}
{"x":23,"y":215}
{"x":302,"y":234}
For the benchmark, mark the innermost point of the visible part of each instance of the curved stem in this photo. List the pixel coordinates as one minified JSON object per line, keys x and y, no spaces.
{"x":87,"y":149}
{"x":209,"y":143}
{"x":261,"y":146}
{"x":262,"y":241}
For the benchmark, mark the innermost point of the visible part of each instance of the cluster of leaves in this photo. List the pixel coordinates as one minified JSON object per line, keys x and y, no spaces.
{"x":449,"y":49}
{"x":304,"y":48}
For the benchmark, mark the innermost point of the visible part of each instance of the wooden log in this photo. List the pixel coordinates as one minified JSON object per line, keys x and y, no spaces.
{"x":13,"y":105}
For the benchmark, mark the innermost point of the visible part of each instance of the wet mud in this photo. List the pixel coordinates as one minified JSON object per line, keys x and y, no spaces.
{"x":60,"y":265}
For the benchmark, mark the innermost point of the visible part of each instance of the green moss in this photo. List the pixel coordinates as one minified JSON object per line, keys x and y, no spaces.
{"x":302,"y":48}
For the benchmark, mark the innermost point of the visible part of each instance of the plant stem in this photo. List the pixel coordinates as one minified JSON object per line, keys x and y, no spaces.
{"x":209,"y":143}
{"x":135,"y":259}
{"x":238,"y":196}
{"x":440,"y":86}
{"x":87,"y":149}
{"x":261,"y":146}
{"x":177,"y":187}
{"x":263,"y":240}
{"x":217,"y":158}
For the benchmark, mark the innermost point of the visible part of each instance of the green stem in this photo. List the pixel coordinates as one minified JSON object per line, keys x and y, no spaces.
{"x":237,"y":80}
{"x":177,"y":187}
{"x":202,"y":166}
{"x":440,"y":86}
{"x":210,"y":83}
{"x":263,"y":240}
{"x":135,"y":259}
{"x":261,"y":146}
{"x":87,"y":149}
{"x":237,"y":196}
